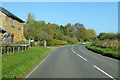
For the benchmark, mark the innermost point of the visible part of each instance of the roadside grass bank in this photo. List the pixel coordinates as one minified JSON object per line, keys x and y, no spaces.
{"x":110,"y":52}
{"x":19,"y":64}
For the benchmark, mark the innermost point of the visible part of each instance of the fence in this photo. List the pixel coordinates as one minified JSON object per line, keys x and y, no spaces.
{"x":8,"y":46}
{"x":12,"y":48}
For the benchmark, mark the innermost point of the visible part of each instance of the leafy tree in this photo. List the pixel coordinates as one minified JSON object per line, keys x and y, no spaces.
{"x":81,"y":33}
{"x":91,"y":34}
{"x":78,"y":26}
{"x":30,"y":17}
{"x":39,"y":29}
{"x":63,"y":30}
{"x":110,"y":36}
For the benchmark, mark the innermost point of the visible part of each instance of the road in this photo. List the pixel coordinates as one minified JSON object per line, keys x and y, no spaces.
{"x":75,"y":62}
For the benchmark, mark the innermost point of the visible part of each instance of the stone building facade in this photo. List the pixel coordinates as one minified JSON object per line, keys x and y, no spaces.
{"x":10,"y":26}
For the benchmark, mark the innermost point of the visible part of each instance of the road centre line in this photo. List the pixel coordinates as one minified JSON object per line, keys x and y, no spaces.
{"x":78,"y":54}
{"x":104,"y":72}
{"x":72,"y":50}
{"x":95,"y":66}
{"x":82,"y":57}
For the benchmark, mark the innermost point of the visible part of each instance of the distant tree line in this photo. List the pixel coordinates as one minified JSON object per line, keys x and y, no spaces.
{"x":72,"y":33}
{"x":108,"y":36}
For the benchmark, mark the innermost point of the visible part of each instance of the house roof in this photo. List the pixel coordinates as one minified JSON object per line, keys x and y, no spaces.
{"x":10,"y":14}
{"x":2,"y":30}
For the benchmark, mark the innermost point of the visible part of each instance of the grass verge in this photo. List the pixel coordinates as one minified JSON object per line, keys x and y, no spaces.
{"x":105,"y":51}
{"x":18,"y":64}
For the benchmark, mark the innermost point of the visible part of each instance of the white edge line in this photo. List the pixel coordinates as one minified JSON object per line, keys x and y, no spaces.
{"x":35,"y":68}
{"x":104,"y":72}
{"x":37,"y":65}
{"x":82,"y":57}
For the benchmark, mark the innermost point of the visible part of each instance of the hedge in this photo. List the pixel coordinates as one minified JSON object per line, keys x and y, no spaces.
{"x":56,"y":42}
{"x":32,"y":44}
{"x":104,"y":51}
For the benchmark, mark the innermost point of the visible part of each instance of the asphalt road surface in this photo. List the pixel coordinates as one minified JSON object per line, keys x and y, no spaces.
{"x":75,"y":62}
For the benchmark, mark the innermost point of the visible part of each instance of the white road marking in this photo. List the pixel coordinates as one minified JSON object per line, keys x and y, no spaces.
{"x":104,"y":72}
{"x":73,"y":51}
{"x":82,"y":57}
{"x":35,"y":68}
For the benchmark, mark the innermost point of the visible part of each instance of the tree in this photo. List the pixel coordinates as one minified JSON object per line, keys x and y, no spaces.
{"x":91,"y":34}
{"x":81,"y":34}
{"x":104,"y":36}
{"x":30,"y":17}
{"x":63,"y":30}
{"x":39,"y":29}
{"x":78,"y":25}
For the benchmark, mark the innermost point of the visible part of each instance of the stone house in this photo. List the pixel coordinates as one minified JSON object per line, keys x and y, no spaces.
{"x":11,"y":27}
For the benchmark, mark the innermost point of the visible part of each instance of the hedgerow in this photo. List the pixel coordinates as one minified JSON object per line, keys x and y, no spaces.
{"x":56,"y":42}
{"x":104,"y":51}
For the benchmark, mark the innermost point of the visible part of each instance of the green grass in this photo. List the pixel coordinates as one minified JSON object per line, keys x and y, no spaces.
{"x":105,"y":51}
{"x":18,"y":64}
{"x":114,"y":44}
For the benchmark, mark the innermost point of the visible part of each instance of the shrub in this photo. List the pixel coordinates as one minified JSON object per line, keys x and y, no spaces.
{"x":49,"y":42}
{"x":32,"y":44}
{"x":56,"y":42}
{"x":104,"y":51}
{"x":107,"y":44}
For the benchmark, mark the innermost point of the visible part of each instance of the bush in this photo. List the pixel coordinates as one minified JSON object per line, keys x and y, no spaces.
{"x":32,"y":44}
{"x":110,"y":36}
{"x":107,"y":44}
{"x":49,"y":42}
{"x":104,"y":51}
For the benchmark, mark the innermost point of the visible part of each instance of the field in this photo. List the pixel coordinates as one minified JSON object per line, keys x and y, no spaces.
{"x":18,"y":64}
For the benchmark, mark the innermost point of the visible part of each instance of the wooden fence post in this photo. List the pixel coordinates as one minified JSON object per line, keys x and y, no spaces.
{"x":22,"y":48}
{"x":8,"y":50}
{"x":1,"y":50}
{"x":13,"y":49}
{"x":25,"y":45}
{"x":18,"y":48}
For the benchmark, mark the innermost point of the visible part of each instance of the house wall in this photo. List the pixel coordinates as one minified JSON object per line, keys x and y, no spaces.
{"x":2,"y":20}
{"x":12,"y":30}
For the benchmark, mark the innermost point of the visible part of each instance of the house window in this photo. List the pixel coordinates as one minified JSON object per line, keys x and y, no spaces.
{"x":19,"y":25}
{"x":12,"y":22}
{"x":12,"y":38}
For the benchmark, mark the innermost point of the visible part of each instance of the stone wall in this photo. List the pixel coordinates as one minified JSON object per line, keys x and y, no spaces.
{"x":2,"y":20}
{"x":12,"y":30}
